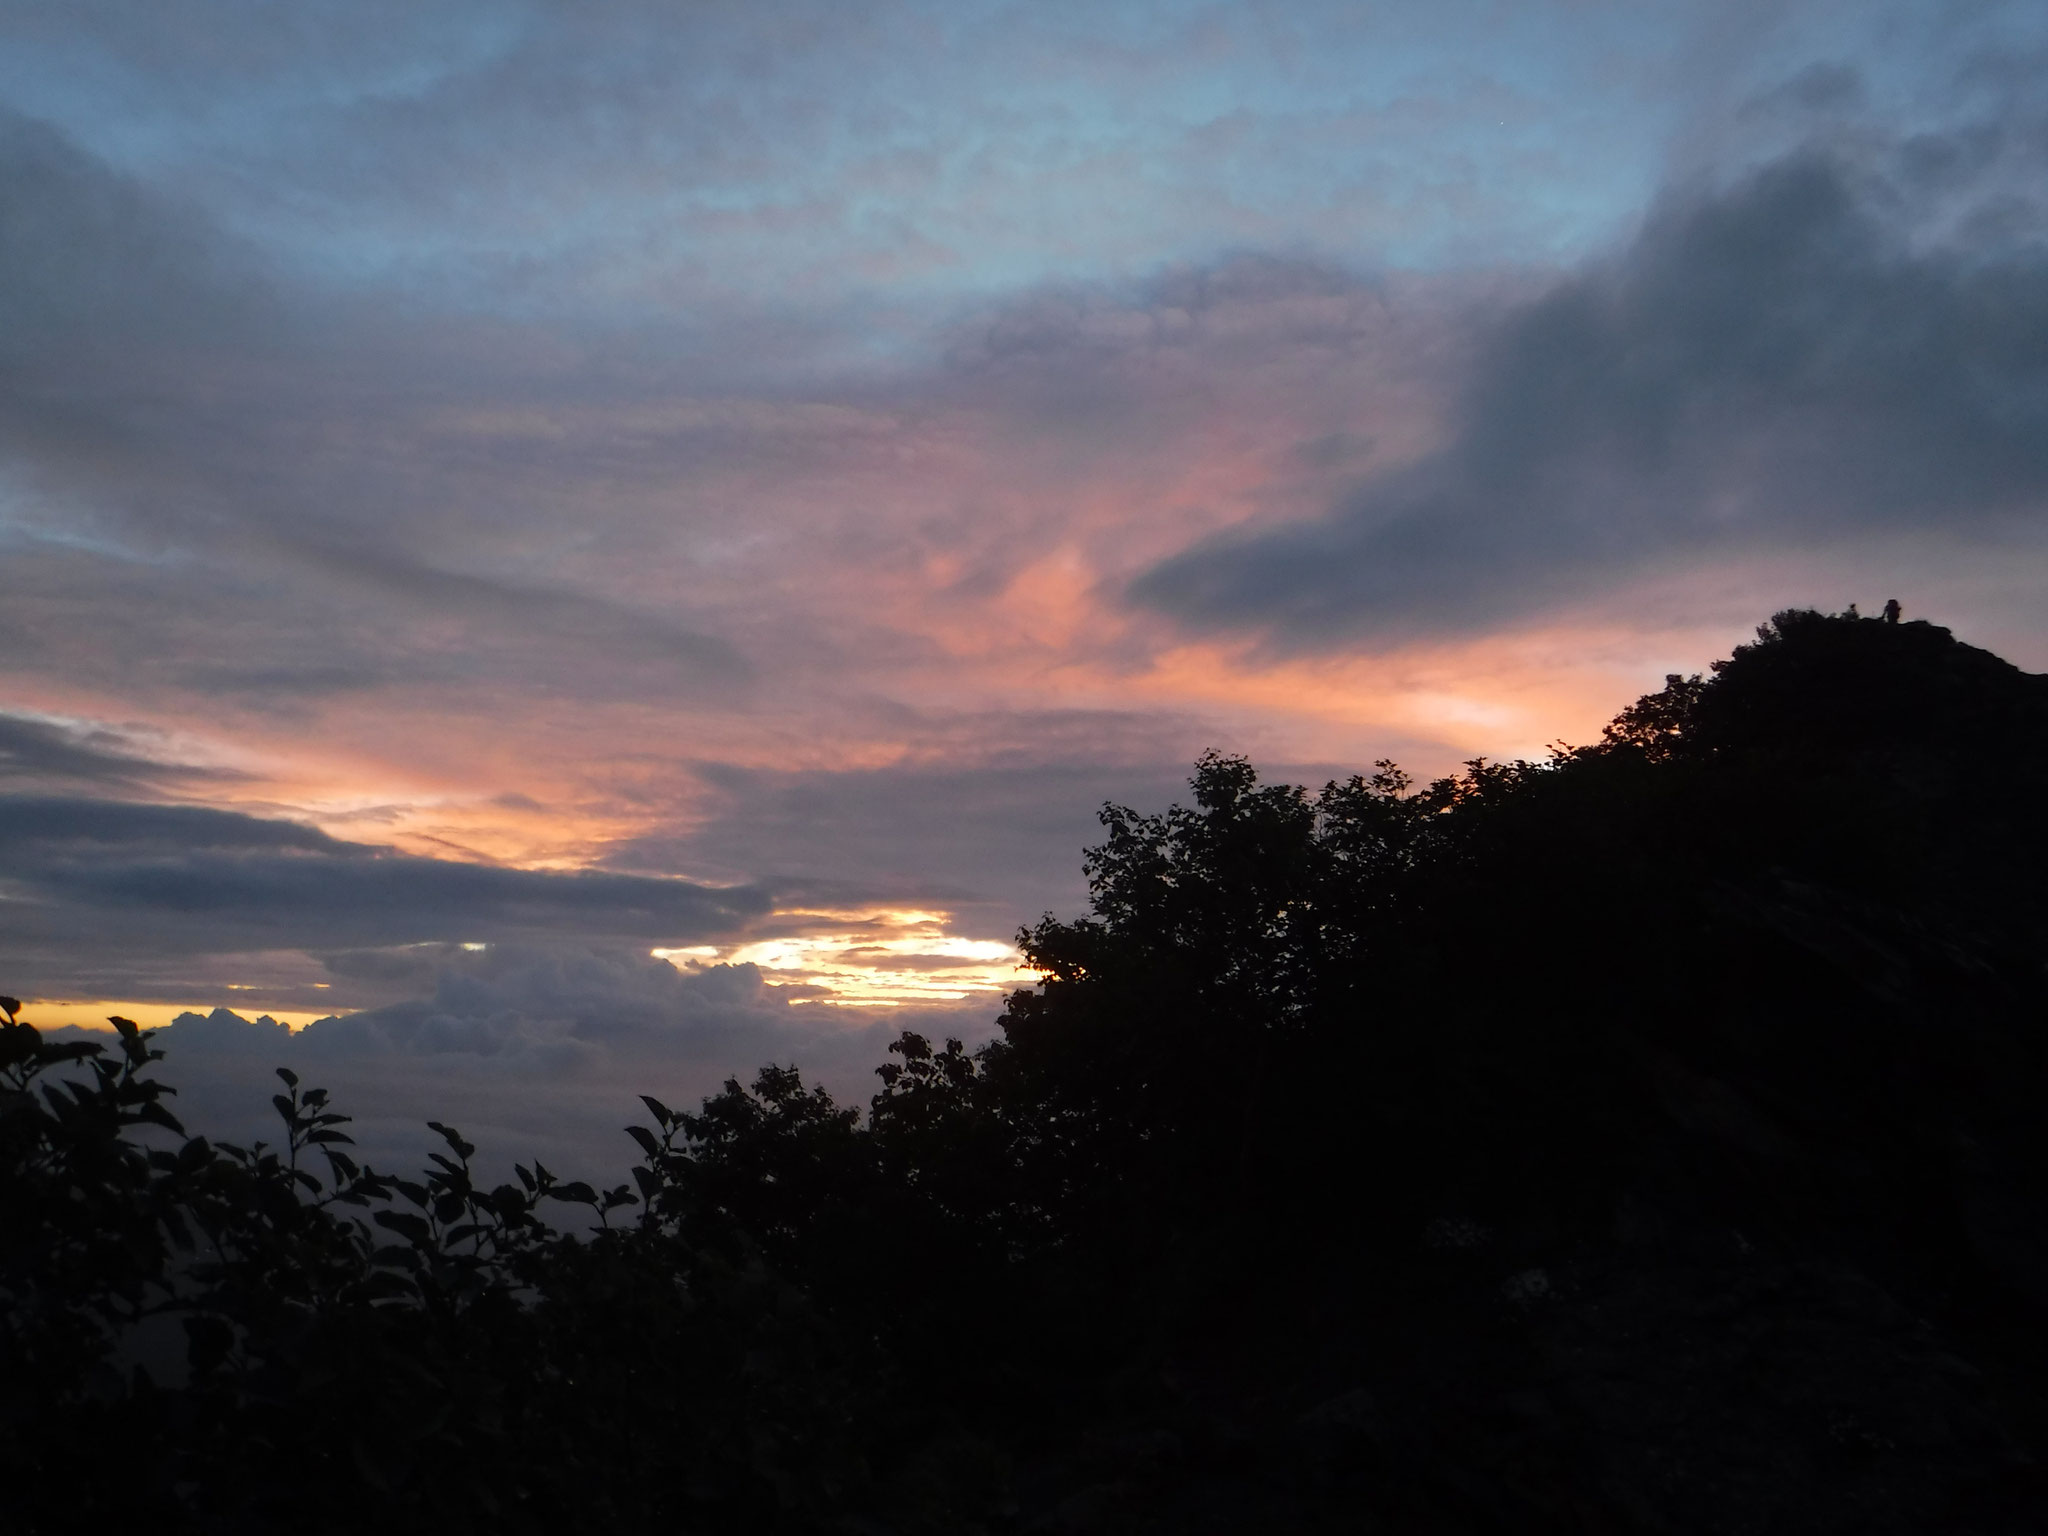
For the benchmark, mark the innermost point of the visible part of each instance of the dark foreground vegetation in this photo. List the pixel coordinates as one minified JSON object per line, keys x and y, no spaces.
{"x":1650,"y":1140}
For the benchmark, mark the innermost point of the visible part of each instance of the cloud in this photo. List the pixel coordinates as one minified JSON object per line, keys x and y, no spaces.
{"x":92,"y":258}
{"x":93,"y":883}
{"x":556,"y":1009}
{"x":187,"y":420}
{"x":532,"y":1050}
{"x":1805,"y":357}
{"x":39,"y":754}
{"x":996,"y":842}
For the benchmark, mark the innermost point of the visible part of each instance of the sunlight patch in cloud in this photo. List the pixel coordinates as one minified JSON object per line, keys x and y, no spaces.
{"x":882,"y":959}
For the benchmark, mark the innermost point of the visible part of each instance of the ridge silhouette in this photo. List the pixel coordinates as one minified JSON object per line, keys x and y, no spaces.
{"x":1647,"y":1140}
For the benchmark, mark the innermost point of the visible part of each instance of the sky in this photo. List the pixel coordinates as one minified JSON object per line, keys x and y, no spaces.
{"x":597,"y":545}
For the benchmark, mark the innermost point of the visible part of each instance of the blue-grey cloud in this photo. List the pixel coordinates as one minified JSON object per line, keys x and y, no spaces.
{"x":996,"y":843}
{"x":94,"y":883}
{"x":179,"y":414}
{"x":1834,"y":346}
{"x":533,"y":1050}
{"x":994,"y":834}
{"x":43,"y":755}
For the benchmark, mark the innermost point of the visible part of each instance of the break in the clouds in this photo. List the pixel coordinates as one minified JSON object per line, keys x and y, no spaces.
{"x":706,"y":502}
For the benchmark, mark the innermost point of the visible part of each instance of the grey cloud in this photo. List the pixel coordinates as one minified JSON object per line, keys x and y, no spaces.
{"x":996,"y":839}
{"x":189,"y":426}
{"x":558,"y":1005}
{"x":1782,"y":364}
{"x":1245,"y":309}
{"x":46,"y":755}
{"x":121,"y":314}
{"x":287,"y":621}
{"x":533,"y":1050}
{"x":628,"y":640}
{"x":154,"y":884}
{"x":29,"y":825}
{"x":95,"y":261}
{"x":998,"y":845}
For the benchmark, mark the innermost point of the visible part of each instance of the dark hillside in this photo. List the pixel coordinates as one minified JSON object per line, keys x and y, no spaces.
{"x":1645,"y":1141}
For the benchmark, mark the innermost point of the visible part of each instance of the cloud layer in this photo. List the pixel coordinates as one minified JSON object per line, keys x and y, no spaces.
{"x":532,"y":1050}
{"x":1796,"y":360}
{"x":109,"y":884}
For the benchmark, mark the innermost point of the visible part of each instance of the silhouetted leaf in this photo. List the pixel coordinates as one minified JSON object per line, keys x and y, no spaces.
{"x":156,"y":1114}
{"x":405,"y":1224}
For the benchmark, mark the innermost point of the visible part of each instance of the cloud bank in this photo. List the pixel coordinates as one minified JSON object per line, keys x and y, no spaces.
{"x":100,"y":885}
{"x":532,"y":1050}
{"x":1823,"y":352}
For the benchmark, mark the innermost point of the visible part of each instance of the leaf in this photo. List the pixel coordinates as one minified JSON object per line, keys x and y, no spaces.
{"x":286,"y":1109}
{"x":318,"y":1138}
{"x":343,"y":1165}
{"x":659,"y":1110}
{"x":156,"y":1114}
{"x":576,"y":1193}
{"x":291,"y":1078}
{"x":648,"y":1182}
{"x":405,"y":1224}
{"x":645,"y":1137}
{"x":10,"y":1006}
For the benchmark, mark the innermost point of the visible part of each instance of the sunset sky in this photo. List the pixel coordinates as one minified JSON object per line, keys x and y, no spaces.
{"x":631,"y":537}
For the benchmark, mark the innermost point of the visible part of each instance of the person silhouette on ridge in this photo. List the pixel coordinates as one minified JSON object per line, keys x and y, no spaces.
{"x":1892,"y":610}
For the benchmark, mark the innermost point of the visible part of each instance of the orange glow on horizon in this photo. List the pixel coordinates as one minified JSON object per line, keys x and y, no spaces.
{"x":93,"y":1015}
